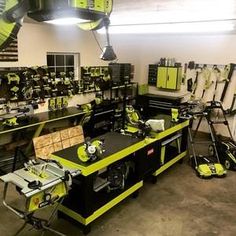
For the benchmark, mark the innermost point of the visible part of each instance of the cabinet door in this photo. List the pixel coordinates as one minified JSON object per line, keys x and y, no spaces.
{"x":161,"y":77}
{"x":172,"y":78}
{"x":179,"y":78}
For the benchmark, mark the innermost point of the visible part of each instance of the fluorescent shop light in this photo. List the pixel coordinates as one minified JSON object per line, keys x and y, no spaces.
{"x":66,"y":21}
{"x":184,"y":11}
{"x":172,"y":28}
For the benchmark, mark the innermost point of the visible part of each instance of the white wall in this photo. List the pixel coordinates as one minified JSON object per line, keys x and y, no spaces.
{"x":36,"y":40}
{"x":146,"y":49}
{"x":142,"y":50}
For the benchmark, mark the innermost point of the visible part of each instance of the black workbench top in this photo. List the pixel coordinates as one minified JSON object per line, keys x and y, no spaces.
{"x":113,"y":142}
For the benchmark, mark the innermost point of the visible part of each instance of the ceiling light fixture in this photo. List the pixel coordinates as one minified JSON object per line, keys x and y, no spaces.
{"x":172,"y":16}
{"x":66,"y":21}
{"x":172,"y":28}
{"x":108,"y":53}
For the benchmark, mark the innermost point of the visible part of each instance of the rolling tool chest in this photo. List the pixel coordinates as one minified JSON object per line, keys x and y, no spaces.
{"x":151,"y":104}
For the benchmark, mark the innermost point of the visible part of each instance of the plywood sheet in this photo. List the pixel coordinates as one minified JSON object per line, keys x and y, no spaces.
{"x":46,"y":144}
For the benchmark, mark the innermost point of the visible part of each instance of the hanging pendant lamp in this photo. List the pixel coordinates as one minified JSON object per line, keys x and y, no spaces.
{"x":108,"y":53}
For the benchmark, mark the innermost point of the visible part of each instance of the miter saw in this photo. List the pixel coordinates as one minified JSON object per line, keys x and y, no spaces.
{"x":41,"y":183}
{"x":134,"y":119}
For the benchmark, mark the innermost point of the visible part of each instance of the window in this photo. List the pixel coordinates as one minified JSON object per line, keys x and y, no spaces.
{"x":64,"y":62}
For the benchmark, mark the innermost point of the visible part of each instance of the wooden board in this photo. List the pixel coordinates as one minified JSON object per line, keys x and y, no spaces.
{"x":46,"y":144}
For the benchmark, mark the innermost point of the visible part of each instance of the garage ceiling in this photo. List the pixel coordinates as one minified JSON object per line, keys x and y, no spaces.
{"x":153,"y":16}
{"x":155,"y":11}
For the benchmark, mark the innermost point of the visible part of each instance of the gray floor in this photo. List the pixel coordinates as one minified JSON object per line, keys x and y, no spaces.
{"x":179,"y":204}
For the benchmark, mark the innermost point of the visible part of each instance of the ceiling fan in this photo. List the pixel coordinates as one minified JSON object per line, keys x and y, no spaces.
{"x":95,"y":14}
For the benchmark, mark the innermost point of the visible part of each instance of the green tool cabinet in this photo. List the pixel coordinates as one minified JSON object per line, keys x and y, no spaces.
{"x":169,"y":77}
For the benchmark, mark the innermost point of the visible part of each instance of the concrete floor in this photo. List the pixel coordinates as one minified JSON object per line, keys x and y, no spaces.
{"x":179,"y":204}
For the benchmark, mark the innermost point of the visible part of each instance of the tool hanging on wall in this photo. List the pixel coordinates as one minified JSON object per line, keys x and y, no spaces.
{"x":206,"y":74}
{"x":46,"y":84}
{"x":228,"y":73}
{"x":233,"y":105}
{"x":190,"y":66}
{"x":185,"y":73}
{"x":217,"y":73}
{"x":198,"y":71}
{"x":37,"y":92}
{"x":52,"y":81}
{"x":103,"y":81}
{"x":219,"y":79}
{"x":27,"y":86}
{"x":190,"y":85}
{"x":13,"y":81}
{"x":87,"y":75}
{"x":63,"y":85}
{"x":195,"y":84}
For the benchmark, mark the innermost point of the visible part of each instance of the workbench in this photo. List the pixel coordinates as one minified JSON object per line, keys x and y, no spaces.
{"x":163,"y":150}
{"x":40,"y":119}
{"x":84,"y":204}
{"x":37,"y":122}
{"x":149,"y":156}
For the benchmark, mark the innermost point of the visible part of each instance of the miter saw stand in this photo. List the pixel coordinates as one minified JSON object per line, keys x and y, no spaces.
{"x":42,"y":183}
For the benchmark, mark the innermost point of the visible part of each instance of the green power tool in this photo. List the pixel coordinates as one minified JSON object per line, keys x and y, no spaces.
{"x":91,"y":151}
{"x":11,"y":122}
{"x":13,"y":83}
